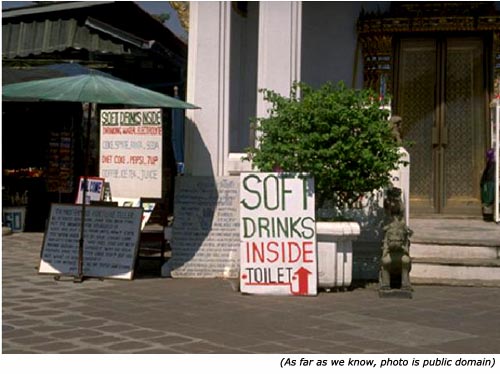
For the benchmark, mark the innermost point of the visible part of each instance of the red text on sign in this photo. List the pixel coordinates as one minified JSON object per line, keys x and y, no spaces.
{"x":284,"y":252}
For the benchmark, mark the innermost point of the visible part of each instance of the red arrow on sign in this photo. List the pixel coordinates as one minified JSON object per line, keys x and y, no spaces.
{"x":303,"y":280}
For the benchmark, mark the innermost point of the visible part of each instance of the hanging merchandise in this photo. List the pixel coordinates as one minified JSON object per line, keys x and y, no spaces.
{"x":60,"y":161}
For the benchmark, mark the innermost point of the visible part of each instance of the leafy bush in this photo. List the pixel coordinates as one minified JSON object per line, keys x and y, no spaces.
{"x":340,"y":136}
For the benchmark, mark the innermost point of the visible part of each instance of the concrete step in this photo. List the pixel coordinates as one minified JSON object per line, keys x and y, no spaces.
{"x":462,"y":252}
{"x":455,"y":282}
{"x":456,"y":271}
{"x":454,"y":250}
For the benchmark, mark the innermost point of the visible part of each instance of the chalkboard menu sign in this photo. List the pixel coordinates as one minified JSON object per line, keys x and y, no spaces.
{"x":111,"y":241}
{"x":206,"y":229}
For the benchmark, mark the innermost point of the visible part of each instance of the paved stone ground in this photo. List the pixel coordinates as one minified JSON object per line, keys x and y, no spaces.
{"x":158,"y":315}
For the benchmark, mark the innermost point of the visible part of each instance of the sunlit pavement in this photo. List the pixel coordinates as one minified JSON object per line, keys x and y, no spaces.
{"x":164,"y":315}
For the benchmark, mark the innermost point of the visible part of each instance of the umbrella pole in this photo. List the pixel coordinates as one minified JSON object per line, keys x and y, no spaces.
{"x":79,"y":277}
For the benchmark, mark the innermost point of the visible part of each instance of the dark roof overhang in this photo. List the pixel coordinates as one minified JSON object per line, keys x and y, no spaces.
{"x":92,"y":26}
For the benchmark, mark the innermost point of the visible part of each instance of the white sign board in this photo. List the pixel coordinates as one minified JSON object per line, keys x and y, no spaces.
{"x":206,"y":231}
{"x":95,"y":189}
{"x":131,"y":151}
{"x":147,"y":208}
{"x":277,"y":234}
{"x":111,"y":241}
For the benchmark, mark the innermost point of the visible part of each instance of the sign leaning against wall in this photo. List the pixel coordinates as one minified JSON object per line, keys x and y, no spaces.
{"x":277,"y":234}
{"x":131,"y":152}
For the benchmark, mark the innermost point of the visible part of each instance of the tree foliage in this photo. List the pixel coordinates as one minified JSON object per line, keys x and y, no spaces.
{"x":340,"y":136}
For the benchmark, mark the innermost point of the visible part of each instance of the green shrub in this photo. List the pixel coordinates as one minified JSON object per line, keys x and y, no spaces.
{"x":340,"y":136}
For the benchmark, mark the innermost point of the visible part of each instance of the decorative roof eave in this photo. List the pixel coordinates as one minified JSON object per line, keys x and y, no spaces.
{"x":34,"y":38}
{"x":391,"y":25}
{"x":80,"y":9}
{"x":53,"y":7}
{"x":129,"y":38}
{"x":116,"y":33}
{"x":48,"y":36}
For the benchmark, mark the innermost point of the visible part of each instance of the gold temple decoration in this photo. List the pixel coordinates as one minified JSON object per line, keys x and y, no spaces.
{"x":182,"y":9}
{"x":377,"y":31}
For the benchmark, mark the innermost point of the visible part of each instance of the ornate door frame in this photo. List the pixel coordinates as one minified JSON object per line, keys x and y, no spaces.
{"x":378,"y":31}
{"x":379,"y":35}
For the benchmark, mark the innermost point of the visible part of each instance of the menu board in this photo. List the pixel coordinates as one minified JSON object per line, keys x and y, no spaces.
{"x":206,"y":230}
{"x":131,"y":151}
{"x":111,"y":241}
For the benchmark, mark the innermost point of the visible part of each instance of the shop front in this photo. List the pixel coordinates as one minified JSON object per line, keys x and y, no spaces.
{"x":42,"y":156}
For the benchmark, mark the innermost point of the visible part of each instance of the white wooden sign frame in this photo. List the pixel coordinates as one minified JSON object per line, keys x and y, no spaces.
{"x":278,"y":253}
{"x":111,"y":241}
{"x":95,"y":190}
{"x":130,"y":157}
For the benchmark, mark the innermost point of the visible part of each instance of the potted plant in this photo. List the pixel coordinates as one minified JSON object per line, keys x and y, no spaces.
{"x":339,"y":136}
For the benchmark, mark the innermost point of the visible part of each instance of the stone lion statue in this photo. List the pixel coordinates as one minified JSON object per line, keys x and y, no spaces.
{"x":395,"y":261}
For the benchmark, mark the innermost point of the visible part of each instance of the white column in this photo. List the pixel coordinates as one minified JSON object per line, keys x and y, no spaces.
{"x":206,"y":133}
{"x":280,"y":30}
{"x":207,"y":129}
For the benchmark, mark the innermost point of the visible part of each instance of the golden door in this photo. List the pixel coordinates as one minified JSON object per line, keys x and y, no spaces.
{"x":441,"y":96}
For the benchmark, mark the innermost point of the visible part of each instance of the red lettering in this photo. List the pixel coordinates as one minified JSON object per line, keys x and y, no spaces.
{"x":273,"y":252}
{"x":111,"y":130}
{"x":258,"y":251}
{"x":308,"y":254}
{"x":298,"y":252}
{"x":107,"y":159}
{"x":284,"y":252}
{"x":119,"y":159}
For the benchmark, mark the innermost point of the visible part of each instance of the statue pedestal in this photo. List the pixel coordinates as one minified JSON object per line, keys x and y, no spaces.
{"x":334,"y":243}
{"x":395,"y":263}
{"x":394,"y":293}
